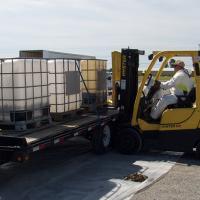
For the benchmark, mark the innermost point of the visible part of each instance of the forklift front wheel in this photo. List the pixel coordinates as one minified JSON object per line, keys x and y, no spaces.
{"x":101,"y":140}
{"x":129,"y":141}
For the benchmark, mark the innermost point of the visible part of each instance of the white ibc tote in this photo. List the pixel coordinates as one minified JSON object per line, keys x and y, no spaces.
{"x":23,"y":90}
{"x":64,"y":88}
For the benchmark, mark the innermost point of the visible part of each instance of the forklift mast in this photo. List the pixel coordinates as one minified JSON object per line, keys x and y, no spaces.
{"x":129,"y":81}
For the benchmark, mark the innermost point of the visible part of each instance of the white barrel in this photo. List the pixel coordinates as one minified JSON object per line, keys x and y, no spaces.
{"x":64,"y":88}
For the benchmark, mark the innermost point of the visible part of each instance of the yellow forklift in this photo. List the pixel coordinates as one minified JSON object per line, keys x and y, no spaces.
{"x":178,"y":129}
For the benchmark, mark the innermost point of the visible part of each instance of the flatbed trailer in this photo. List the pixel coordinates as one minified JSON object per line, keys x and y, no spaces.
{"x":97,"y":127}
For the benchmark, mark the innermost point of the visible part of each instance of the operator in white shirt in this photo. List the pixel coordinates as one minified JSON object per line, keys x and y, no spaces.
{"x":180,"y":84}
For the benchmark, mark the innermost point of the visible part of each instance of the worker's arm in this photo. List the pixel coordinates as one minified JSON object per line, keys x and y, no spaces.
{"x":168,"y":84}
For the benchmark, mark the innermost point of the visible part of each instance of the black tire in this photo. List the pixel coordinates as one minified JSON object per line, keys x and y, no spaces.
{"x":101,"y":140}
{"x":129,"y":141}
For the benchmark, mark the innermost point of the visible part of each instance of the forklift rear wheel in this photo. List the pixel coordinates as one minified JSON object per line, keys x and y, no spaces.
{"x":129,"y":141}
{"x":101,"y":140}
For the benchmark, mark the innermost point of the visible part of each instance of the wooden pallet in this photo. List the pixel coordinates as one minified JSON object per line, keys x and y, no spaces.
{"x":67,"y":116}
{"x":26,"y":125}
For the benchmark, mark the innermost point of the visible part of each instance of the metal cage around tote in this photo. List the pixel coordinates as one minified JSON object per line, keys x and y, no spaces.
{"x":24,"y":95}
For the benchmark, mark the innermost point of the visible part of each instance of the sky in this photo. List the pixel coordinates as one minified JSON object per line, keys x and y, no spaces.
{"x":98,"y":27}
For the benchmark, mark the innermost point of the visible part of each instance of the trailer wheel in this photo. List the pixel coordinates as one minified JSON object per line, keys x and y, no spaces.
{"x":129,"y":141}
{"x":101,"y":139}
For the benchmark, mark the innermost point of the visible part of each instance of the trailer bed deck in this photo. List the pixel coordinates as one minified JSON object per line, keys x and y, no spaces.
{"x":38,"y":139}
{"x":59,"y":128}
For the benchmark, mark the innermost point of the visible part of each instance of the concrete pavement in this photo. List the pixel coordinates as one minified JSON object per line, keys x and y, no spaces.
{"x":72,"y":172}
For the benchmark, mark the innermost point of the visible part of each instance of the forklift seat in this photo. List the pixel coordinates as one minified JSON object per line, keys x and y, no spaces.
{"x":186,"y":101}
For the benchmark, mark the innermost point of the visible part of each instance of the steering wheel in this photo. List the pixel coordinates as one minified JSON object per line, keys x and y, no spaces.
{"x":153,"y":89}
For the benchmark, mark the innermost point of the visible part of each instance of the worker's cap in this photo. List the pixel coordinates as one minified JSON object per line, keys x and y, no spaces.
{"x":178,"y":63}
